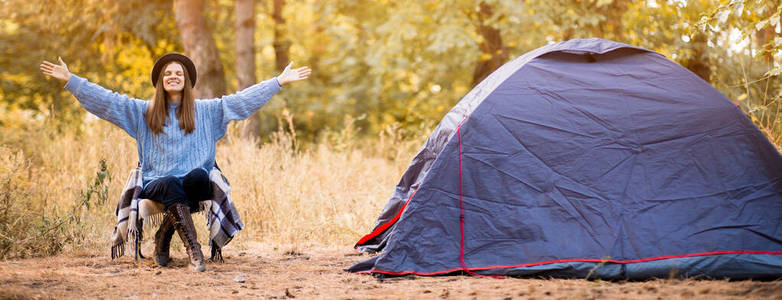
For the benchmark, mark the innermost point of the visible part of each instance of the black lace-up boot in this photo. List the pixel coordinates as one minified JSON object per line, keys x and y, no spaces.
{"x":163,"y":240}
{"x":183,"y":224}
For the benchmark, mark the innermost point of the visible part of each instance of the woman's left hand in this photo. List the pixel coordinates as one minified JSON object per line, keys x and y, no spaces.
{"x":291,"y":75}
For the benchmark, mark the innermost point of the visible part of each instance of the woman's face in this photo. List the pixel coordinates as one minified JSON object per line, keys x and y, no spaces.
{"x":173,"y":77}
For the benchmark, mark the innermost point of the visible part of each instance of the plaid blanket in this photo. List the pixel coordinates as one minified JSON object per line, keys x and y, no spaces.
{"x":221,"y":216}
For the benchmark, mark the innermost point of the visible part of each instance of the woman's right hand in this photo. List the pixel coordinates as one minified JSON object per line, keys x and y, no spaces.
{"x":57,"y":71}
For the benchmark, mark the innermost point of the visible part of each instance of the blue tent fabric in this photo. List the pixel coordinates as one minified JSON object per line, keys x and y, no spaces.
{"x":587,"y":158}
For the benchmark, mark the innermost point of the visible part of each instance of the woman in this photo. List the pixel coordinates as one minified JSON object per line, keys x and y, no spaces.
{"x":176,"y":136}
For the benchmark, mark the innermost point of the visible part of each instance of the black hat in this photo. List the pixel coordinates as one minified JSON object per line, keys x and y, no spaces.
{"x":169,"y":57}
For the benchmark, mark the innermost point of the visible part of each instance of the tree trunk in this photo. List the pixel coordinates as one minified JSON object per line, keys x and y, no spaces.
{"x":244,"y":11}
{"x":245,"y":42}
{"x":699,"y":63}
{"x":200,"y":47}
{"x":493,"y":52}
{"x":763,"y":38}
{"x":281,"y":43}
{"x":110,"y":34}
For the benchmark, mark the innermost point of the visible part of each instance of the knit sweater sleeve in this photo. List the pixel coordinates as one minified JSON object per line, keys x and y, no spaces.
{"x":240,"y":105}
{"x":120,"y":110}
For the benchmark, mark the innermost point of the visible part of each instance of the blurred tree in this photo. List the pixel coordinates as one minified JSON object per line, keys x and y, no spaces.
{"x":244,"y":13}
{"x":245,"y":43}
{"x":379,"y":64}
{"x":98,"y":39}
{"x":698,"y":61}
{"x":281,"y":42}
{"x":764,"y":36}
{"x":200,"y":47}
{"x":749,"y":32}
{"x":493,"y":53}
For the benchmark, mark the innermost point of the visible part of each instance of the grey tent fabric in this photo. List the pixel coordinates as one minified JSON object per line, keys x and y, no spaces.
{"x":584,"y":154}
{"x":422,"y":162}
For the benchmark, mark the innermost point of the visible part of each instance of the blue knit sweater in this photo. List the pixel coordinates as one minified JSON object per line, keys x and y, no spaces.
{"x":172,"y":152}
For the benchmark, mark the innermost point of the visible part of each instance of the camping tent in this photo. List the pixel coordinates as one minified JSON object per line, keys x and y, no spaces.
{"x":587,"y":158}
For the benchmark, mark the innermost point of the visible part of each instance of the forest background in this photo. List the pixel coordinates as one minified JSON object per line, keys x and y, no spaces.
{"x":315,"y":165}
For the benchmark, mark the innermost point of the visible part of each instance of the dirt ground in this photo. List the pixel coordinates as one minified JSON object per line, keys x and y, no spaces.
{"x":263,"y":272}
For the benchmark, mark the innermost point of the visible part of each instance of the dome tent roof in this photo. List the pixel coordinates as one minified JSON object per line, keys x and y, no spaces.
{"x":586,"y":153}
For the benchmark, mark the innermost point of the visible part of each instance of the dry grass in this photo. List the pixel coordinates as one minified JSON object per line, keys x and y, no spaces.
{"x":326,"y":194}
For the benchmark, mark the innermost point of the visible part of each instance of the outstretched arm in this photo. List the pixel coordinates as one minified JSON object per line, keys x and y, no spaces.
{"x":244,"y":103}
{"x":121,"y":110}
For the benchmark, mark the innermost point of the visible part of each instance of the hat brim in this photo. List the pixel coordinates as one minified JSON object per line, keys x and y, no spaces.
{"x":169,"y":57}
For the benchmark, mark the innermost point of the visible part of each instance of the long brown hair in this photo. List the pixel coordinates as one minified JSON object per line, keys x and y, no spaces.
{"x":157,"y":111}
